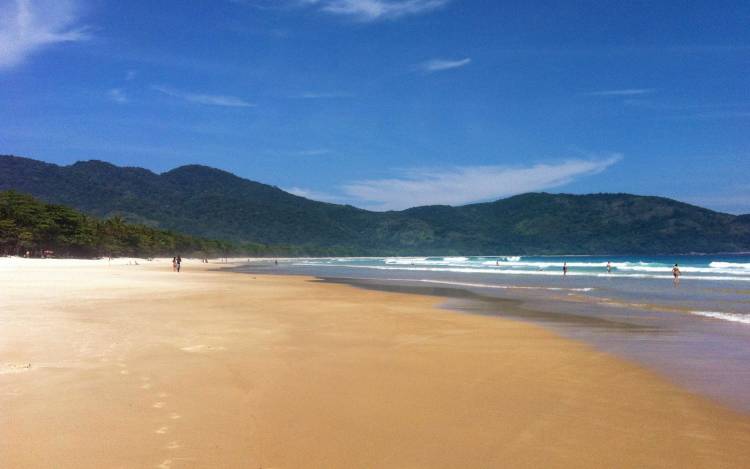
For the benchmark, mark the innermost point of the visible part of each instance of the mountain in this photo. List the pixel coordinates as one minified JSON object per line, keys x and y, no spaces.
{"x":30,"y":226}
{"x":208,"y":202}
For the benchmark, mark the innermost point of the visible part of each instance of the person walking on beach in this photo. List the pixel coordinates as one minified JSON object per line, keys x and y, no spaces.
{"x":565,"y":269}
{"x":676,"y":274}
{"x":179,"y":261}
{"x":174,"y":264}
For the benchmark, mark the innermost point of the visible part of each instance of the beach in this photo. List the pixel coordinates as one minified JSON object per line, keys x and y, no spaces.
{"x":123,"y":365}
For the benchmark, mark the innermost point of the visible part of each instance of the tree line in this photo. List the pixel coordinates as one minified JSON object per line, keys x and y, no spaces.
{"x":28,"y":225}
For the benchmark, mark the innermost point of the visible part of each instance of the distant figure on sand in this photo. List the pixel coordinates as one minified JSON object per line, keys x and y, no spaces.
{"x":609,"y":267}
{"x":676,"y":274}
{"x":174,"y":264}
{"x":565,"y":269}
{"x":179,"y":261}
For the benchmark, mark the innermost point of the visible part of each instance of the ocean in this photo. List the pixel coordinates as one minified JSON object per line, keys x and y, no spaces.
{"x":696,"y":332}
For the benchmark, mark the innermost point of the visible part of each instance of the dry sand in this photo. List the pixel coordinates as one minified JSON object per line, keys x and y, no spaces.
{"x":135,"y":366}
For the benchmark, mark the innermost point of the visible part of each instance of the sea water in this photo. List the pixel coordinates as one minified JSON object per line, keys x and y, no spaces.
{"x":696,"y":332}
{"x":716,"y":286}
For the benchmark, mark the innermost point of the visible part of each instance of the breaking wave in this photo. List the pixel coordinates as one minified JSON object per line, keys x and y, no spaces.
{"x":519,"y":265}
{"x":733,"y":317}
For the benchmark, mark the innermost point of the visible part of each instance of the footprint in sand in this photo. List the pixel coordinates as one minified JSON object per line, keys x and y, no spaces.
{"x":124,"y":372}
{"x":166,"y":464}
{"x":146,"y":386}
{"x":158,"y":405}
{"x":172,"y":445}
{"x":193,"y":348}
{"x":203,"y":348}
{"x":175,"y":416}
{"x":15,"y":367}
{"x":161,"y":430}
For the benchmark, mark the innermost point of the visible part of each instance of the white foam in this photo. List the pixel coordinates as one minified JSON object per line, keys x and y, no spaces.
{"x":730,"y":265}
{"x":734,"y":317}
{"x":484,"y":285}
{"x":685,"y":269}
{"x":406,"y":260}
{"x":516,"y":265}
{"x":555,"y":272}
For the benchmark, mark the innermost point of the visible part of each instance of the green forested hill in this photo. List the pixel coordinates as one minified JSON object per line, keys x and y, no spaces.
{"x":203,"y":201}
{"x":28,"y":225}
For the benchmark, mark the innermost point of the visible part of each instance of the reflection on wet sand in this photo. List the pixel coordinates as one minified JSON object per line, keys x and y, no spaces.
{"x":472,"y":302}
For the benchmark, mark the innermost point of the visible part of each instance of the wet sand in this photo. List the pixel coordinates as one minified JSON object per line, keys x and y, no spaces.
{"x":136,"y":366}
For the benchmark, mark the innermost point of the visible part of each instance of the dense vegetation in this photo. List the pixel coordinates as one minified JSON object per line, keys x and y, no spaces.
{"x":27,"y":225}
{"x":207,"y":202}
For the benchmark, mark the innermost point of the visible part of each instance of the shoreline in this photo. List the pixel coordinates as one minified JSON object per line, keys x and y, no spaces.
{"x":598,"y":331}
{"x":137,"y":366}
{"x":694,"y":336}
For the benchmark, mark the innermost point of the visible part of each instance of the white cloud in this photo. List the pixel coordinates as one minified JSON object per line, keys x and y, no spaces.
{"x":314,"y":195}
{"x":374,"y":10}
{"x":437,"y":65}
{"x":117,"y":95}
{"x":359,"y":10}
{"x":623,"y":92}
{"x":27,"y":26}
{"x":208,"y":99}
{"x":467,"y":184}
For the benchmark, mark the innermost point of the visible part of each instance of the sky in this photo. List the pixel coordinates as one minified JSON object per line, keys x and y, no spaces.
{"x":388,"y":104}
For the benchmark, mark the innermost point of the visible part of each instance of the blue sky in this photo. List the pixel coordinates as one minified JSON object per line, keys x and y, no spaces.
{"x":391,"y":103}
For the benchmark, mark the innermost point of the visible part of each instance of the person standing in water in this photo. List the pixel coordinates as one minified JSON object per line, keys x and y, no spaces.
{"x":676,"y":274}
{"x":565,"y":269}
{"x":609,"y":267}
